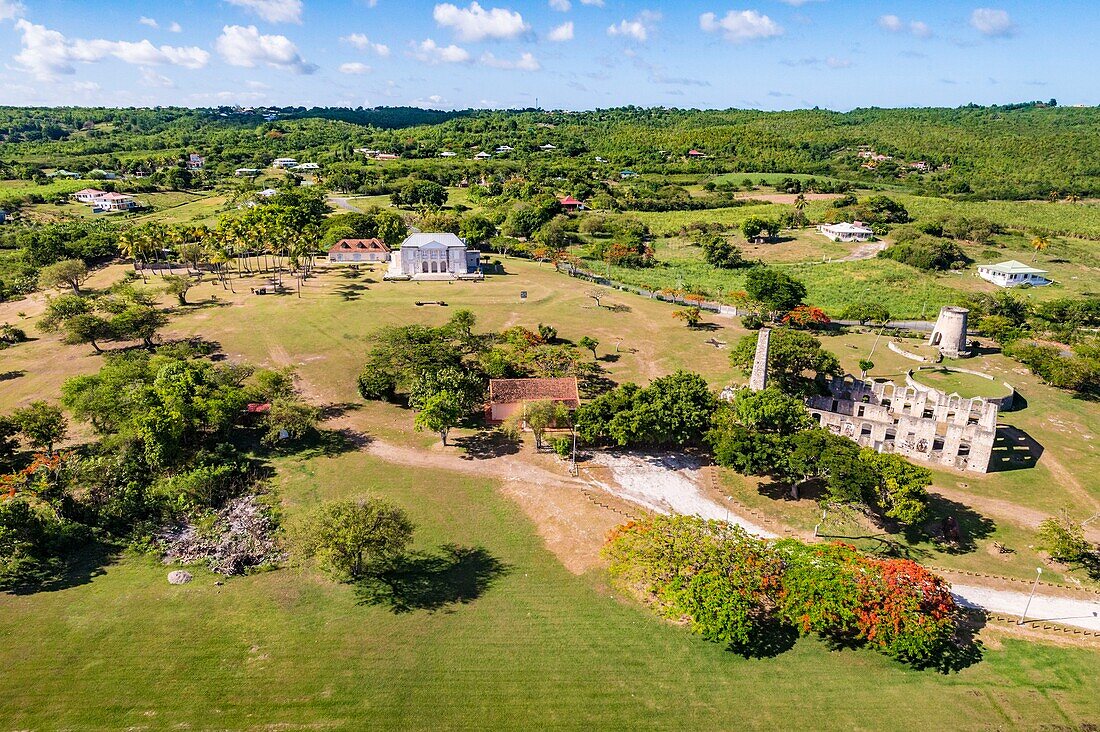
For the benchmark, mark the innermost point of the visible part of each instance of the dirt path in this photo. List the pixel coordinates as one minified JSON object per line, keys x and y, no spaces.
{"x":865,"y":251}
{"x":573,"y":526}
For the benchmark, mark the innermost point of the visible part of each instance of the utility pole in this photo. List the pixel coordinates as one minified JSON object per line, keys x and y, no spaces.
{"x":1038,"y":574}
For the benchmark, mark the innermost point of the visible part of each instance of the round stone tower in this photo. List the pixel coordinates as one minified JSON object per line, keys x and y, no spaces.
{"x":949,"y":335}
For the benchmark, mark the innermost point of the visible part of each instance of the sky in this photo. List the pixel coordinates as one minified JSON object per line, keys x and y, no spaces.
{"x":556,"y":54}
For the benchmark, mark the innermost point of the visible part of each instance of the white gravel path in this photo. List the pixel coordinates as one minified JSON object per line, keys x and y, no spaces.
{"x":1060,"y":610}
{"x":667,"y":484}
{"x":670,"y":484}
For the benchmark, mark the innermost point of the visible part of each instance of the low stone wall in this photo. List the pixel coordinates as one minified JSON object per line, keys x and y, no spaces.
{"x":1004,"y":403}
{"x":906,"y":354}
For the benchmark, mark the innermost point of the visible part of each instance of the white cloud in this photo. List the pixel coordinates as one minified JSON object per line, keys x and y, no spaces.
{"x":563,"y":32}
{"x":992,"y":22}
{"x":596,"y":3}
{"x":526,"y":62}
{"x":637,"y":29}
{"x":151,"y":22}
{"x":360,"y":41}
{"x":175,"y":27}
{"x":562,"y":6}
{"x":894,"y":24}
{"x":273,"y":11}
{"x":149,"y":77}
{"x":430,"y":52}
{"x":739,"y":26}
{"x":837,"y":63}
{"x":11,"y":9}
{"x":245,"y":46}
{"x":891,"y":23}
{"x":354,"y":67}
{"x":46,"y":53}
{"x":475,"y":23}
{"x":920,"y":29}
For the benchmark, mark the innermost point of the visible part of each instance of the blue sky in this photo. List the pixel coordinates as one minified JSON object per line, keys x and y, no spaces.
{"x":571,"y":54}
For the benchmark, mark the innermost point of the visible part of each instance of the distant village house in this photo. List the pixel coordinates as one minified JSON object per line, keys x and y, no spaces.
{"x":847,"y":232}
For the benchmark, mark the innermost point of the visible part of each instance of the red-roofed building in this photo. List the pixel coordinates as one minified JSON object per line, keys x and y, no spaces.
{"x":359,"y":250}
{"x":693,"y":153}
{"x":508,"y":396}
{"x":571,"y":204}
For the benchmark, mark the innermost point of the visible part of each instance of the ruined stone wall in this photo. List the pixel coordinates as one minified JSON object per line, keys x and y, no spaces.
{"x":930,"y":427}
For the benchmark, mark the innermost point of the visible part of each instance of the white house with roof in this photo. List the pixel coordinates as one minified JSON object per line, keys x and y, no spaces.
{"x":1013,"y":274}
{"x":847,"y":232}
{"x":89,"y":195}
{"x":247,"y":172}
{"x":482,"y":156}
{"x":283,"y":163}
{"x":195,"y":161}
{"x":307,"y":166}
{"x":114,"y":202}
{"x":434,"y":256}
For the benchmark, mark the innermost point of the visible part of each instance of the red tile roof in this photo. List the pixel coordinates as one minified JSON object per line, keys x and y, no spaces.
{"x":569,"y":201}
{"x":511,"y":391}
{"x":359,"y":245}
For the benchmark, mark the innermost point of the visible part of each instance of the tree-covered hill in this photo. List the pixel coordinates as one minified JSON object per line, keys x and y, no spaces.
{"x":1018,"y":151}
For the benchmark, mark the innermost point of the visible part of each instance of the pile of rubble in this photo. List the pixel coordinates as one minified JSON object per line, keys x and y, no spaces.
{"x":239,"y":537}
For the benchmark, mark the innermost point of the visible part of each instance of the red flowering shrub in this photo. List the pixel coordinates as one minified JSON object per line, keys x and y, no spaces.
{"x":733,"y":587}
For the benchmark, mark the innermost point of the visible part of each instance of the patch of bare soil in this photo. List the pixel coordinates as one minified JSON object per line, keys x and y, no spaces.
{"x":788,"y":198}
{"x":573,"y":527}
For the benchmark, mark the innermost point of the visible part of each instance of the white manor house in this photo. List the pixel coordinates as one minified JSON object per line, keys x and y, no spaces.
{"x":434,"y":256}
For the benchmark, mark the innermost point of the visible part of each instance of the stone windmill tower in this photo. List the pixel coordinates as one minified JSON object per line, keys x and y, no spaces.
{"x":949,"y":335}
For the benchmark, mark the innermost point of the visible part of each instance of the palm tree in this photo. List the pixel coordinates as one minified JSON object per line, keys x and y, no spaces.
{"x":800,"y":202}
{"x":1039,"y":243}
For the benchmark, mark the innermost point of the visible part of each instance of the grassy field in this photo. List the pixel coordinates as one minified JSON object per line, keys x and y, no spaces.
{"x":965,"y":385}
{"x":504,"y":637}
{"x":530,"y":646}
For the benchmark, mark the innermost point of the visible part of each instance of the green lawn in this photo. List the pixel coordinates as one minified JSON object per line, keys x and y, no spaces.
{"x":965,"y":385}
{"x":536,"y":648}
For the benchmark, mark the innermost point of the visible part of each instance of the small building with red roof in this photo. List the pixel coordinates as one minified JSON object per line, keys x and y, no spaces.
{"x":359,"y":250}
{"x":571,"y":204}
{"x":508,"y":396}
{"x":693,"y":153}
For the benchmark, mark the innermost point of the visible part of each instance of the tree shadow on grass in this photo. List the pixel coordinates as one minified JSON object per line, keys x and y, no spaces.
{"x":324,"y":443}
{"x":9,"y":375}
{"x":769,"y":640}
{"x":970,"y":524}
{"x":450,"y":575}
{"x":80,"y":567}
{"x":487,"y":444}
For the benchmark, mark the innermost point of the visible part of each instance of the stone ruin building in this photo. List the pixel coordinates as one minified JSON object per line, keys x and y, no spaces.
{"x":921,"y":424}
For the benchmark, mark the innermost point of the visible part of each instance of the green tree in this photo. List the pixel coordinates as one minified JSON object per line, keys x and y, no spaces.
{"x":1064,"y":539}
{"x":542,"y":415}
{"x":772,"y":411}
{"x":775,"y":291}
{"x":344,"y":538}
{"x":42,"y":424}
{"x":793,"y":358}
{"x":691,"y":315}
{"x":290,"y":419}
{"x":177,"y":286}
{"x":477,"y":229}
{"x":589,"y":343}
{"x":66,"y":273}
{"x":718,"y":251}
{"x":439,"y":413}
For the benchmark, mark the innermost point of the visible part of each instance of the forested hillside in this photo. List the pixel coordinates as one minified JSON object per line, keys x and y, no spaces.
{"x":1007,"y":152}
